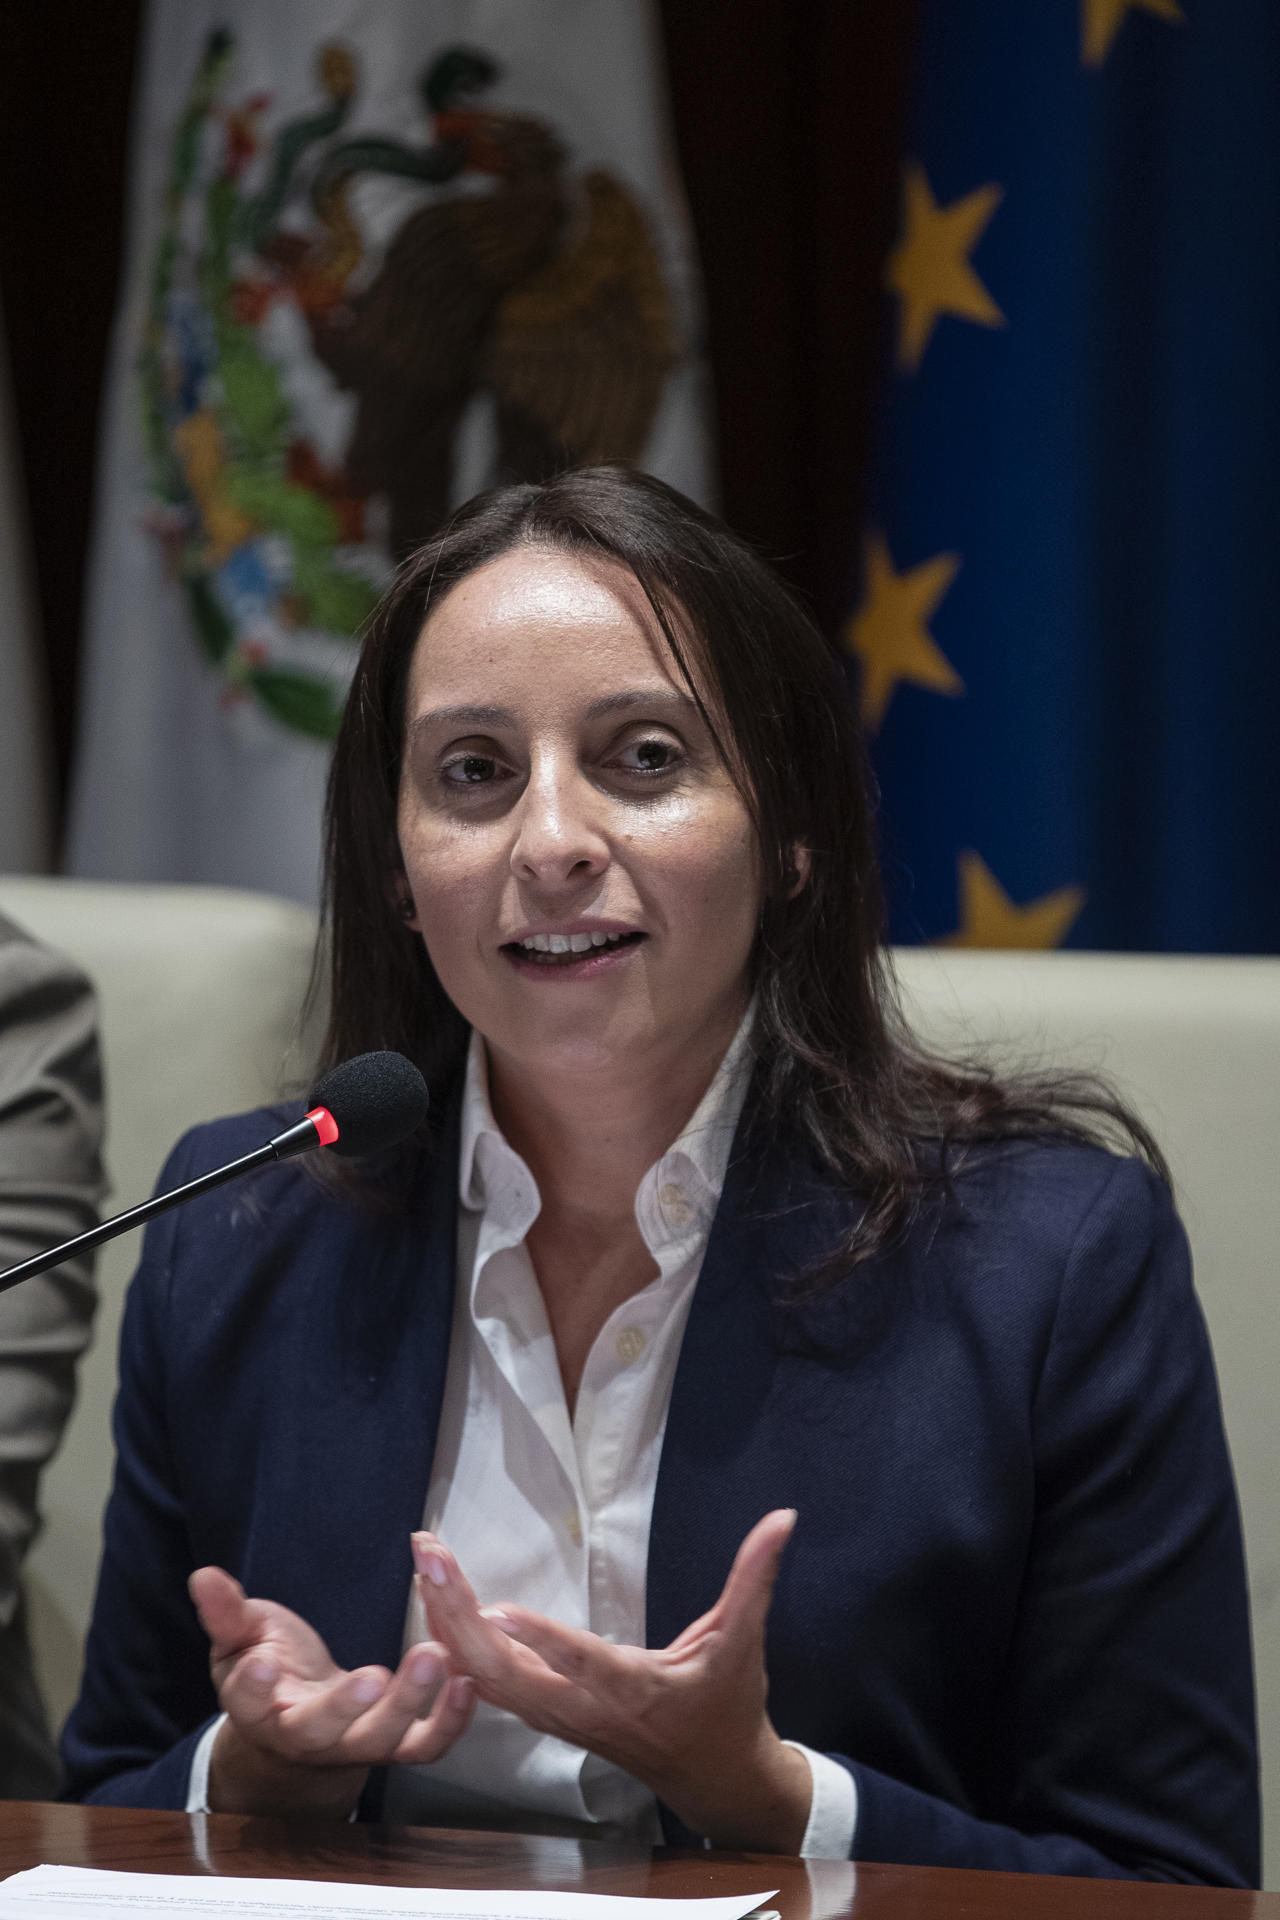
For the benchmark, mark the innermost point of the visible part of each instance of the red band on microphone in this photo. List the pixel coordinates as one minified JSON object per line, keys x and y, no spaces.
{"x":325,"y":1125}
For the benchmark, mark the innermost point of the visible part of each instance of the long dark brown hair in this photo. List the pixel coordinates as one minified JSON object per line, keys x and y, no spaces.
{"x":837,"y":1061}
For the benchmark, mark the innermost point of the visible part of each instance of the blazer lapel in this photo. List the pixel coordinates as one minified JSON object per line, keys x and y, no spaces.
{"x":774,"y":1216}
{"x":726,"y":1460}
{"x":367,"y":1409}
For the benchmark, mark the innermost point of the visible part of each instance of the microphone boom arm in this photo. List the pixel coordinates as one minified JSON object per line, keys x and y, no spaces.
{"x":297,"y":1139}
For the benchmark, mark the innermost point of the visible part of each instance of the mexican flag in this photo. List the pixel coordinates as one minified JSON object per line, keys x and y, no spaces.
{"x":379,"y":257}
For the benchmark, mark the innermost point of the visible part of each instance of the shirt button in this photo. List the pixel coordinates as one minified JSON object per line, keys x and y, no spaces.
{"x":675,"y":1204}
{"x":629,"y":1345}
{"x":573,"y":1527}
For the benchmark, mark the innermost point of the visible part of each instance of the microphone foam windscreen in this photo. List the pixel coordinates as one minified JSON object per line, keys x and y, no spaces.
{"x":377,"y":1099}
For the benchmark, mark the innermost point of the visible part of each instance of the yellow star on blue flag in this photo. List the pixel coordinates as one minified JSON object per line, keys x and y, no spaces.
{"x":930,"y":269}
{"x":989,"y":918}
{"x":1101,"y":20}
{"x":889,"y":634}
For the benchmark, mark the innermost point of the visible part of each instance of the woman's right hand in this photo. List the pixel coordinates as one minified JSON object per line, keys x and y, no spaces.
{"x":301,"y":1733}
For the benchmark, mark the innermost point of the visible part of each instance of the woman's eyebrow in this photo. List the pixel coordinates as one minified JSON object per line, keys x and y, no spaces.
{"x":654,"y":698}
{"x":463,"y":717}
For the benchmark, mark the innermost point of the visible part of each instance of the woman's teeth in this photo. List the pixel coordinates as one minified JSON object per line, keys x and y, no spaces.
{"x":552,"y":945}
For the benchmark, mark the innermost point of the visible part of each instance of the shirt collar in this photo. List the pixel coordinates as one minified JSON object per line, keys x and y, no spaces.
{"x":484,"y":1147}
{"x":678,"y":1195}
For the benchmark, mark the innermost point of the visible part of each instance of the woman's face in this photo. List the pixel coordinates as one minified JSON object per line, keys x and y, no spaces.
{"x":582,"y":868}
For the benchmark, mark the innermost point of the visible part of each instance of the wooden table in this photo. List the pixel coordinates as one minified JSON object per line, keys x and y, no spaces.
{"x":430,"y":1857}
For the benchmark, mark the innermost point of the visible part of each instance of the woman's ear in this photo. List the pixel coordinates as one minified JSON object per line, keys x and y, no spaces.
{"x":799,"y":865}
{"x":401,"y":902}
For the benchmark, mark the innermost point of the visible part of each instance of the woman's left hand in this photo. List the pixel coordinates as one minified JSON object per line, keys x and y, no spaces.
{"x":689,"y":1720}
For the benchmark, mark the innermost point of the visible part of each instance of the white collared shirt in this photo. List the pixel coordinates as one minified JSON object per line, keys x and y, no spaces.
{"x":554,"y":1512}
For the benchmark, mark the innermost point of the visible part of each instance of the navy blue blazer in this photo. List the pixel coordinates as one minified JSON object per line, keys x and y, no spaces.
{"x":1014,"y":1604}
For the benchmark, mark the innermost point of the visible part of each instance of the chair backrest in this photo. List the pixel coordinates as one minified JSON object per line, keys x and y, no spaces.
{"x":1195,"y":1045}
{"x":199,"y":991}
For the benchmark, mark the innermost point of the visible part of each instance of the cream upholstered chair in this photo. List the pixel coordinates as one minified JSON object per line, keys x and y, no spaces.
{"x":1195,"y":1044}
{"x":199,"y":990}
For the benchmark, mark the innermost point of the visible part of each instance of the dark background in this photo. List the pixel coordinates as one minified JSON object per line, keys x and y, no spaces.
{"x":789,"y":122}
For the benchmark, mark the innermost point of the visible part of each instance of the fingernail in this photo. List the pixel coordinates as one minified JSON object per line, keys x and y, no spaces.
{"x":423,"y":1669}
{"x":429,"y":1560}
{"x":497,"y":1618}
{"x":366,"y":1689}
{"x":459,"y":1692}
{"x":261,"y":1673}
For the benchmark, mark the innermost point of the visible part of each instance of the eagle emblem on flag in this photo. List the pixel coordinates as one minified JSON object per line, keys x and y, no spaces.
{"x":326,"y":307}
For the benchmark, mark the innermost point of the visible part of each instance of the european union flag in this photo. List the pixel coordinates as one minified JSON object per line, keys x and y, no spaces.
{"x":1065,"y":627}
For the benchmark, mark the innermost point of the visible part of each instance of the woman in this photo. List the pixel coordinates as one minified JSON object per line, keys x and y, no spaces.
{"x":728,"y":1249}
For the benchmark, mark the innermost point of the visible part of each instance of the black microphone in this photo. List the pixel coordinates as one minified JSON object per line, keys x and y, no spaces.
{"x":361,"y":1106}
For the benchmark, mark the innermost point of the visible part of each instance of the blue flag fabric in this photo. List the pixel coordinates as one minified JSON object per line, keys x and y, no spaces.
{"x":1064,"y":630}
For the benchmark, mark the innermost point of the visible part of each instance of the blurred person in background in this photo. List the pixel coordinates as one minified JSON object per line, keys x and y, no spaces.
{"x":50,"y":1182}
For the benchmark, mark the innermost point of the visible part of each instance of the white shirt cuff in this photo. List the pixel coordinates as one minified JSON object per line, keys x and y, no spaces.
{"x":833,"y":1810}
{"x":198,"y":1778}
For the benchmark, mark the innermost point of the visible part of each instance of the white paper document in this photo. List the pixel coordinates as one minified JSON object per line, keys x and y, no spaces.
{"x":85,"y":1893}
